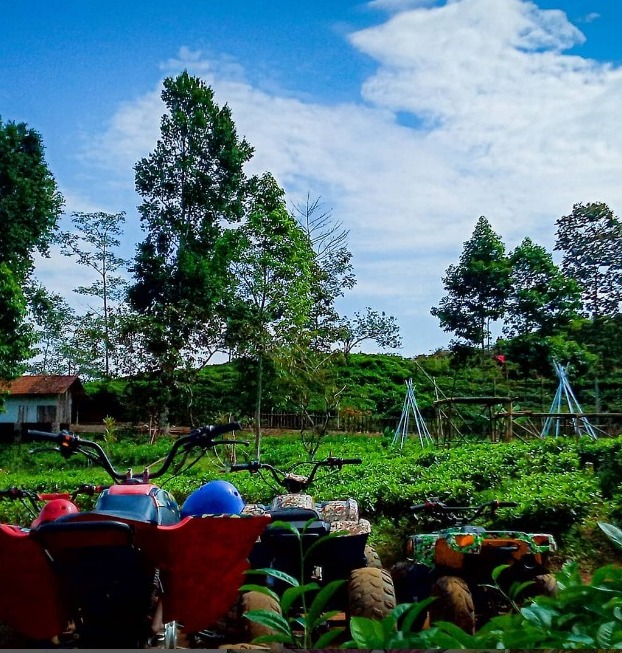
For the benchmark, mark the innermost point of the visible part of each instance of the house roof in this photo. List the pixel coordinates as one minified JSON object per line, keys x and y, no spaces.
{"x":44,"y":385}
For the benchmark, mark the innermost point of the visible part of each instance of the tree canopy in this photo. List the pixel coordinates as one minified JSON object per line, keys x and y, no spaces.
{"x":477,"y":287}
{"x":30,"y":204}
{"x":192,"y":186}
{"x":590,"y":238}
{"x":541,"y":298}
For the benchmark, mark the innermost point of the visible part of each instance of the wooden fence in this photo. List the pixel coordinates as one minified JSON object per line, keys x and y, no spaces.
{"x":342,"y":423}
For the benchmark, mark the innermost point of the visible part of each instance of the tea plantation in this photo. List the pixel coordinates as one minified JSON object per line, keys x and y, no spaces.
{"x":561,"y":485}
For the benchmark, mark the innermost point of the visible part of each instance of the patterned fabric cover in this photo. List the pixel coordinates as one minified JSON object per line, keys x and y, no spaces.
{"x":254,"y":509}
{"x":347,"y":510}
{"x":293,"y":501}
{"x":360,"y":527}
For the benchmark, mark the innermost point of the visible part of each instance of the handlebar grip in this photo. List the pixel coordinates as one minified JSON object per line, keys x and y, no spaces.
{"x":253,"y":466}
{"x":241,"y":467}
{"x":205,"y":435}
{"x":44,"y":436}
{"x":11,"y":493}
{"x":351,"y":461}
{"x":219,"y":429}
{"x":506,"y":504}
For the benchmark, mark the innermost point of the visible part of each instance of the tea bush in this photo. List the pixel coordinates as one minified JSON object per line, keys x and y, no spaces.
{"x":560,"y":484}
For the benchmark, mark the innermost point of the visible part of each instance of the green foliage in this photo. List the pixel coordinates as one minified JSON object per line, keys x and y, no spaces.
{"x":110,"y":434}
{"x":29,"y":199}
{"x":54,"y":325}
{"x":541,"y":298}
{"x":303,"y":606}
{"x":476,"y":288}
{"x":556,"y":481}
{"x":581,"y":616}
{"x":370,"y":325}
{"x":271,"y":266}
{"x":15,"y":337}
{"x":92,"y":241}
{"x":192,"y":186}
{"x":591,"y":241}
{"x":29,"y":208}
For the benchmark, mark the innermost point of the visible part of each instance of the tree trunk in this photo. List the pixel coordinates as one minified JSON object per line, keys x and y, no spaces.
{"x":596,"y":395}
{"x":258,"y":407}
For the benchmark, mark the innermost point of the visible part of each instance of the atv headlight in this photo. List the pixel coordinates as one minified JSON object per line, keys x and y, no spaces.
{"x":464,"y":540}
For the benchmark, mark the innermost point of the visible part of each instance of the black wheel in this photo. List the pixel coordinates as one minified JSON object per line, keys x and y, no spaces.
{"x":370,"y":593}
{"x":258,"y":601}
{"x":372,"y":557}
{"x":454,"y":603}
{"x":411,"y":581}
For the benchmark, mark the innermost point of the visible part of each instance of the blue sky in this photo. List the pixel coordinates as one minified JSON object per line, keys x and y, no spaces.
{"x":409,"y":118}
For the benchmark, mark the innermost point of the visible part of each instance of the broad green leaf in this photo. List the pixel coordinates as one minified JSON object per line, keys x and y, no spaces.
{"x":538,"y":615}
{"x":271,"y":620}
{"x":328,"y":637}
{"x":277,"y":573}
{"x":456,"y":633}
{"x":498,"y":570}
{"x":292,"y":593}
{"x":262,"y":589}
{"x":287,"y":526}
{"x":367,"y":633}
{"x":320,"y":601}
{"x":518,"y":589}
{"x":607,"y":633}
{"x":269,"y":639}
{"x":612,"y":532}
{"x":415,"y":611}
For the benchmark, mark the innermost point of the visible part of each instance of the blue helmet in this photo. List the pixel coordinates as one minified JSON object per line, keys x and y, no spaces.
{"x":213,"y":498}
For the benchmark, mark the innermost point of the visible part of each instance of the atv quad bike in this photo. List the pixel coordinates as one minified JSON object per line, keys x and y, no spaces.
{"x":369,"y":590}
{"x":114,"y":576}
{"x":455,"y":564}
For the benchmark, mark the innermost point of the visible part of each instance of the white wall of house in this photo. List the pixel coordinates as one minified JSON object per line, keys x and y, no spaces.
{"x":22,"y":409}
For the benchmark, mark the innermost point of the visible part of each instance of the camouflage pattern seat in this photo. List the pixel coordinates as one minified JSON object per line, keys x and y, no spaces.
{"x":293,"y":501}
{"x":332,"y":511}
{"x":360,"y":527}
{"x":254,"y":509}
{"x":343,"y":516}
{"x":304,"y":501}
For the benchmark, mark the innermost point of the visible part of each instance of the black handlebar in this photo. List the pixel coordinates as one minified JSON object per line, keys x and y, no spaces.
{"x":203,"y":437}
{"x":287,"y":479}
{"x":458,"y":513}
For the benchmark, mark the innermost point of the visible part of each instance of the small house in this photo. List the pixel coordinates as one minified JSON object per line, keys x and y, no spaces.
{"x":42,"y":402}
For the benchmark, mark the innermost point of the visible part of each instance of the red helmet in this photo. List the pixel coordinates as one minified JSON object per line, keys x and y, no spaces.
{"x":53,"y":510}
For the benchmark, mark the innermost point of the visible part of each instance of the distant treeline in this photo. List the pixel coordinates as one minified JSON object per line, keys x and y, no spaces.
{"x":372,"y":399}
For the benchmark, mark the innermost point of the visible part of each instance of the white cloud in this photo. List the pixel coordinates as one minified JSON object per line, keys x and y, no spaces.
{"x":506,"y":125}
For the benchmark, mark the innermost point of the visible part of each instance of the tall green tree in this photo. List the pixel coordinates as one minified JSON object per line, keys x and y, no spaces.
{"x":590,"y":238}
{"x":15,"y":336}
{"x":192,"y":186}
{"x":372,"y":325}
{"x":477,"y":288}
{"x":541,"y":298}
{"x":54,"y":324}
{"x":30,"y":205}
{"x":93,"y":241}
{"x":273,"y":272}
{"x":306,"y":368}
